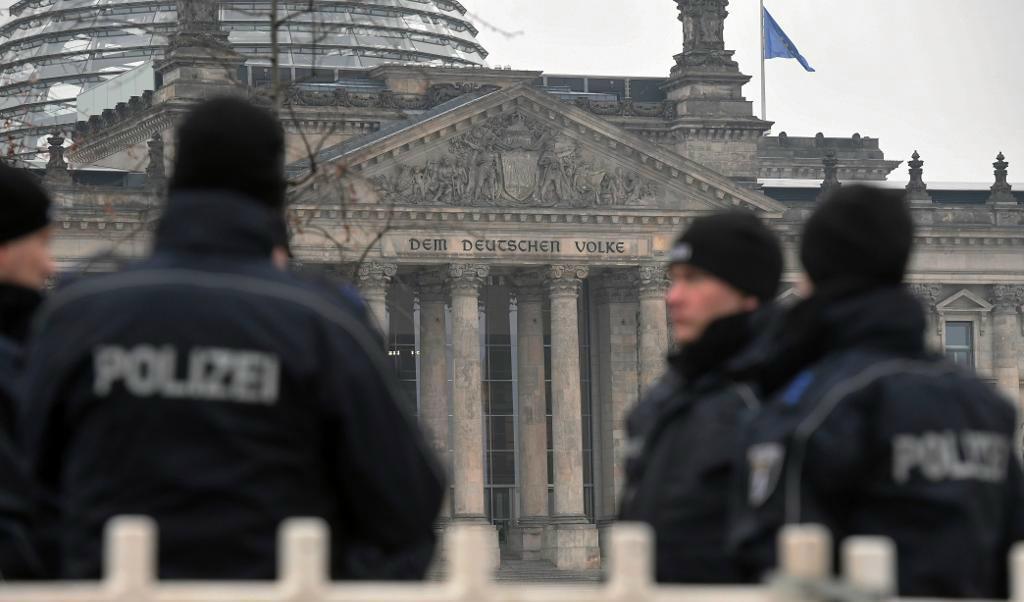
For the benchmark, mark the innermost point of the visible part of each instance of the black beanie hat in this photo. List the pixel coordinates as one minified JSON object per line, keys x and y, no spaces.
{"x":24,"y":204}
{"x":230,"y":144}
{"x":736,"y":247}
{"x":860,"y":235}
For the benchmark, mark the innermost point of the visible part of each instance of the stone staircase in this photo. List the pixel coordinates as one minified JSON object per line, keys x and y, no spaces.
{"x":533,"y":571}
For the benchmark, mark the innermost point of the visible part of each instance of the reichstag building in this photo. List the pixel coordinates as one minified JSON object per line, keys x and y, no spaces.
{"x":508,"y":228}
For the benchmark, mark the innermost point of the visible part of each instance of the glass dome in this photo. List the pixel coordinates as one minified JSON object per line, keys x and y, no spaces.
{"x":53,"y":50}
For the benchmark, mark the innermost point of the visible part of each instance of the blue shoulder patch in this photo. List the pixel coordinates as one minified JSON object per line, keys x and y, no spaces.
{"x":797,"y":387}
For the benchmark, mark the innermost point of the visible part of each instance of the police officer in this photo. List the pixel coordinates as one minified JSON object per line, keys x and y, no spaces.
{"x":683,"y":434}
{"x":210,"y":389}
{"x":865,"y":432}
{"x":25,"y":266}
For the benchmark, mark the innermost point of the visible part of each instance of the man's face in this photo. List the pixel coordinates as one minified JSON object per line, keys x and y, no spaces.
{"x":26,"y":261}
{"x":695,"y":299}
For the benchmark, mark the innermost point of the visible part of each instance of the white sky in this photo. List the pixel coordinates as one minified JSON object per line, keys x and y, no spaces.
{"x":944,"y":77}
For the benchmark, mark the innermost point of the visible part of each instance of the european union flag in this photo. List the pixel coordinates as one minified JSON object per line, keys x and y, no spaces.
{"x":778,"y":45}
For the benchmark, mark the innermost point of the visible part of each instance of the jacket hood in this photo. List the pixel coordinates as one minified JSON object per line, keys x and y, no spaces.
{"x":219,"y":223}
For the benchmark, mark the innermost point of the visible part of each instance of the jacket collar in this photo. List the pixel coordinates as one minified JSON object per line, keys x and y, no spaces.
{"x":17,"y":306}
{"x":217,"y":222}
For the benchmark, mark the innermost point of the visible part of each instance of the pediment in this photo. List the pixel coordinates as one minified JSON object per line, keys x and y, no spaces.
{"x":964,"y":301}
{"x":519,"y":148}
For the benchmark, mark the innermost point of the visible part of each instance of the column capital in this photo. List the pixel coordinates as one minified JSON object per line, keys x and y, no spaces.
{"x":1007,"y":297}
{"x":431,"y":286}
{"x":565,"y":280}
{"x":529,"y":286}
{"x":617,"y":286}
{"x":467,"y":278}
{"x":653,"y":281}
{"x":928,"y":294}
{"x":376,"y":275}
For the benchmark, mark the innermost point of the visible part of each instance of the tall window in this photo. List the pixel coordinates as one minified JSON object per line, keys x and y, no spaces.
{"x":403,"y":349}
{"x":960,"y":343}
{"x":499,"y":408}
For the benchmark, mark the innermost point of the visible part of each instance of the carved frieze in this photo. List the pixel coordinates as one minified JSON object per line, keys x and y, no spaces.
{"x":1007,"y":297}
{"x":515,"y":161}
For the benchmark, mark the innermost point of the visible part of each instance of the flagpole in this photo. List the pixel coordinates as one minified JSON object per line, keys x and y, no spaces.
{"x":764,"y":88}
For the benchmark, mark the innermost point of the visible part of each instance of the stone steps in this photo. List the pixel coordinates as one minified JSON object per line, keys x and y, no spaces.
{"x":527,"y":571}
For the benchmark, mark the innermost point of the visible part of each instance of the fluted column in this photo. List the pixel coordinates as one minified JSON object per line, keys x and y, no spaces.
{"x":465,"y":282}
{"x":653,"y":325}
{"x":928,"y":295}
{"x":617,"y":371}
{"x":526,"y":539}
{"x":433,"y":368}
{"x":1005,"y":333}
{"x":533,"y":435}
{"x":374,"y":279}
{"x":567,"y":431}
{"x":570,"y":542}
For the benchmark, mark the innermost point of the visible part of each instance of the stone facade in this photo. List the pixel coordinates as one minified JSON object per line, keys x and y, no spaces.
{"x":504,"y":236}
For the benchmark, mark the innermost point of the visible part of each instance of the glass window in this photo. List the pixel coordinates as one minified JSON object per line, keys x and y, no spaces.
{"x":960,"y":343}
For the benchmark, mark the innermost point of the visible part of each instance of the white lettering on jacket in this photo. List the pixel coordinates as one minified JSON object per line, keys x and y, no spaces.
{"x":208,"y":373}
{"x":951,"y":456}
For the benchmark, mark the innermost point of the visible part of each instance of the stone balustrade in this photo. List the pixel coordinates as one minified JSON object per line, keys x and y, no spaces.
{"x":804,"y":574}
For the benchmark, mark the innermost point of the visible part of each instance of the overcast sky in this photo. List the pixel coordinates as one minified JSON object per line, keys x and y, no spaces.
{"x":944,"y":77}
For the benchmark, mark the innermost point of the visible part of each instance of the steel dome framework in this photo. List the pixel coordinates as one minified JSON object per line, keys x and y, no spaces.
{"x":52,"y":50}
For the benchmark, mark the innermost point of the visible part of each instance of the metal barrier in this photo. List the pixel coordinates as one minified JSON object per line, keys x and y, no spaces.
{"x":805,"y":574}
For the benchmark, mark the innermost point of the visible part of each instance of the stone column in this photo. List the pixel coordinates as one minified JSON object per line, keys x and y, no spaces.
{"x":465,"y":281}
{"x":618,"y":371}
{"x":1005,"y":332}
{"x":526,"y":539}
{"x":653,"y":326}
{"x":434,"y":370}
{"x":928,"y":295}
{"x":570,"y":542}
{"x":374,"y":279}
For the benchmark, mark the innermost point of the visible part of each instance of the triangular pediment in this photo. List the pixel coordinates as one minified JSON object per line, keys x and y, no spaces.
{"x":964,"y":301}
{"x":520,"y":148}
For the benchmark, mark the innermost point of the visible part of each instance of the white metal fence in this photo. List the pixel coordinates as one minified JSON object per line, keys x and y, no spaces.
{"x":805,"y":558}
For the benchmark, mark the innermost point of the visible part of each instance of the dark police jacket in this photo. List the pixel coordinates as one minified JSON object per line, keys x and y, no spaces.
{"x":679,"y":467}
{"x":19,"y":557}
{"x":219,"y":395}
{"x":877,"y":438}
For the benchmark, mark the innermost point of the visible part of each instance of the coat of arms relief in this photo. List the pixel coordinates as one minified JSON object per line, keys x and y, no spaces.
{"x":514,"y":160}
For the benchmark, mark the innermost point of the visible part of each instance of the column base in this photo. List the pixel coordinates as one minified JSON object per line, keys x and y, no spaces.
{"x":572,"y":545}
{"x":604,"y":535}
{"x":489,"y":530}
{"x":526,"y":539}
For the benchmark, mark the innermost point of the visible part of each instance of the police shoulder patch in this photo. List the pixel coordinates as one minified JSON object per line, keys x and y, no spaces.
{"x":764,"y":462}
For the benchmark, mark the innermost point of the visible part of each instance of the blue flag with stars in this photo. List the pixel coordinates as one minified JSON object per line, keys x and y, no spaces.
{"x":777,"y":44}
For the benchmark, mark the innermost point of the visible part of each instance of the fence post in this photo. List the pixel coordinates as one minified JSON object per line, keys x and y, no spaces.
{"x":805,"y":552}
{"x":869,"y":564}
{"x":1016,"y":561}
{"x":129,"y":558}
{"x":303,"y":545}
{"x":630,"y":563}
{"x":470,"y":562}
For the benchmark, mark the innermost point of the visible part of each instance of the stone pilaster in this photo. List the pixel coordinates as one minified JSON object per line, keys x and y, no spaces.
{"x":619,"y":383}
{"x":929,"y":296}
{"x":374,"y":280}
{"x":526,"y":539}
{"x":433,"y":383}
{"x":571,"y":542}
{"x":465,"y":281}
{"x":653,"y":325}
{"x":1006,"y":331}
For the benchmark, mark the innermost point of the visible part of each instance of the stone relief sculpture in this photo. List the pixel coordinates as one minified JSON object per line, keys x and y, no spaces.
{"x":513,"y":160}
